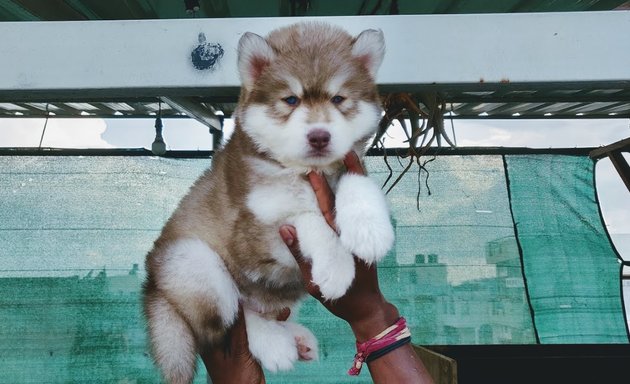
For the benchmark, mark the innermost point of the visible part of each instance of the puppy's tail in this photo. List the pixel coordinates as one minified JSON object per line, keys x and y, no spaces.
{"x":172,"y":342}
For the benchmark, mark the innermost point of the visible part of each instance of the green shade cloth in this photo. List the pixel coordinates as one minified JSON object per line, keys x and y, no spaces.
{"x":569,"y":265}
{"x":74,"y":232}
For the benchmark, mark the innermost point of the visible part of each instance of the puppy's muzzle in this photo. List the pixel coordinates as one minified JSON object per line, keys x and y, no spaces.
{"x":318,"y":139}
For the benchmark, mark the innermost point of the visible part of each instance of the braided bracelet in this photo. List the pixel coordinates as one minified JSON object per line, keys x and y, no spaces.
{"x":391,"y":338}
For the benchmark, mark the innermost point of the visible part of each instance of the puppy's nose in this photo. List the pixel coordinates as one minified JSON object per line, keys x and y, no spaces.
{"x":318,"y":138}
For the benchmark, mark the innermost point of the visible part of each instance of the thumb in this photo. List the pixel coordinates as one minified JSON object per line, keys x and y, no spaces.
{"x":289,"y":236}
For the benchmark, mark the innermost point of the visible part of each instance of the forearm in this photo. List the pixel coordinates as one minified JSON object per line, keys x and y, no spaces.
{"x":228,"y":369}
{"x":402,"y":365}
{"x":242,"y":375}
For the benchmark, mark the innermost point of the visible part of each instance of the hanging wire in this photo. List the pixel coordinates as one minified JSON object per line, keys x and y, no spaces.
{"x":41,"y":139}
{"x":453,"y":127}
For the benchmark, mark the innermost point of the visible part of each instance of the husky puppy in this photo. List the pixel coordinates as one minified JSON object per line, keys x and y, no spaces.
{"x":308,"y":97}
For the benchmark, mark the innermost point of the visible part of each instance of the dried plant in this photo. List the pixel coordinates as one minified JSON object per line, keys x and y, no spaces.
{"x":426,"y":126}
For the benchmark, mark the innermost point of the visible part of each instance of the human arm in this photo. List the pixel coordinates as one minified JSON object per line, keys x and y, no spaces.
{"x":232,"y":362}
{"x":363,"y":307}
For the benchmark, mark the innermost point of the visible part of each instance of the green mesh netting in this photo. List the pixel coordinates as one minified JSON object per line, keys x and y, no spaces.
{"x":456,"y":261}
{"x":74,"y":232}
{"x":569,"y":265}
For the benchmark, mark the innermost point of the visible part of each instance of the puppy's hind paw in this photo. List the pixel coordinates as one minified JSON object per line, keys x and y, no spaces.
{"x":271,"y":343}
{"x":280,"y":359}
{"x":363,"y":220}
{"x":307,"y":345}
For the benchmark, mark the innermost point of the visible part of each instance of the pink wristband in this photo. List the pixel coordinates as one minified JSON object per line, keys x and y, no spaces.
{"x":386,"y":341}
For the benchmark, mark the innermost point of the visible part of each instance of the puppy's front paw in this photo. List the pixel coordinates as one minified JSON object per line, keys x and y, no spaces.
{"x":335,"y":276}
{"x":362,"y":219}
{"x":333,"y":265}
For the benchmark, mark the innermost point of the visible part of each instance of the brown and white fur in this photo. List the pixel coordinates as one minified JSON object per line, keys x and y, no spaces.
{"x":308,"y":97}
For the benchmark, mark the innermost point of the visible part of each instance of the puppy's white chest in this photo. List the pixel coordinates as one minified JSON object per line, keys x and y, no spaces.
{"x":278,"y":193}
{"x":280,"y":200}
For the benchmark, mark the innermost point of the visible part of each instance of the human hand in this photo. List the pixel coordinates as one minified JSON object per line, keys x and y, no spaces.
{"x":363,"y":306}
{"x":232,"y":361}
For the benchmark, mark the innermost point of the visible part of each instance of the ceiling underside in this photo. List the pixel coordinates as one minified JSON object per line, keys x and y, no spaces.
{"x":40,"y":10}
{"x":484,"y":101}
{"x":498,"y":104}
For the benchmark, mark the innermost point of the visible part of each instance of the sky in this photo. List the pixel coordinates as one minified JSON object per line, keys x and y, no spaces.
{"x":191,"y":135}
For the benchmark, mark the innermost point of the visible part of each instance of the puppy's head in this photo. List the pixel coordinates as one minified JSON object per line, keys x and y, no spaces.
{"x":308,"y":94}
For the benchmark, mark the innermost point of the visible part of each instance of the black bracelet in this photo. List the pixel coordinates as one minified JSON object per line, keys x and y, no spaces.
{"x":391,"y":338}
{"x":376,"y":354}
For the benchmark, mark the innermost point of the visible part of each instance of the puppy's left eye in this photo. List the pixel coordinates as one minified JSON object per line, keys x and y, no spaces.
{"x":337,"y":99}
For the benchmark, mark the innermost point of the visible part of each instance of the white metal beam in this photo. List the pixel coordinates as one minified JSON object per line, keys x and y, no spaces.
{"x":153,"y":57}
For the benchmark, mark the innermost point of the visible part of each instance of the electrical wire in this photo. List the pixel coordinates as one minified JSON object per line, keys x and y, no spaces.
{"x":453,"y":127}
{"x":41,"y":139}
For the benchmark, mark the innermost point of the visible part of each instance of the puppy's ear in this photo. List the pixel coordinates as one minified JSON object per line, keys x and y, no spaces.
{"x":254,"y":55}
{"x":369,"y":48}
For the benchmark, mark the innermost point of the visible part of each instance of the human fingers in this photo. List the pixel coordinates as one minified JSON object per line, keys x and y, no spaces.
{"x":233,"y":346}
{"x":353,"y":164}
{"x":237,"y":334}
{"x":284,"y":314}
{"x":325,"y":196}
{"x":232,"y":361}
